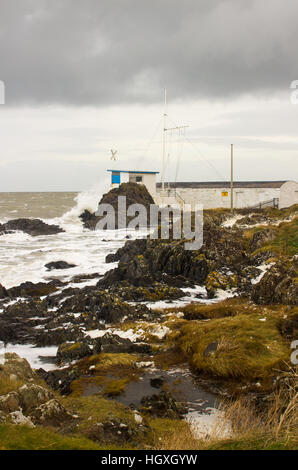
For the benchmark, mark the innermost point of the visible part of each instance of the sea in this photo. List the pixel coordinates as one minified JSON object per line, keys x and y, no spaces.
{"x":23,"y":257}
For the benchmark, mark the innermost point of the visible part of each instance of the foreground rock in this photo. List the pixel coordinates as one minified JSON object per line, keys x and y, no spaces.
{"x":33,"y":227}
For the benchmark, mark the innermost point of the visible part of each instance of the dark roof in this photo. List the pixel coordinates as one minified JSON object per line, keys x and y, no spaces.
{"x":224,"y":184}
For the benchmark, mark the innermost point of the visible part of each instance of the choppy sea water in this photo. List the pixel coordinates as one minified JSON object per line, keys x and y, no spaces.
{"x":23,"y":258}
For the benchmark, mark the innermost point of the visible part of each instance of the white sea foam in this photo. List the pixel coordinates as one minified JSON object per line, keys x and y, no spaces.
{"x":33,"y":355}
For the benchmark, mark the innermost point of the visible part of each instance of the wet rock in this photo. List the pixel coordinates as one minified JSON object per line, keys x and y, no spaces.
{"x":68,"y":352}
{"x":60,"y":379}
{"x":108,"y":308}
{"x":155,"y":292}
{"x":278,"y":285}
{"x":40,"y":289}
{"x":157,"y":382}
{"x":59,"y":265}
{"x":16,"y":325}
{"x":58,"y":335}
{"x":110,"y":343}
{"x":162,"y":405}
{"x":218,"y":280}
{"x":142,"y":262}
{"x":33,"y":227}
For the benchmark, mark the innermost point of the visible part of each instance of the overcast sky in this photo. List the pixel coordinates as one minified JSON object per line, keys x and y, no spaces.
{"x":82,"y":77}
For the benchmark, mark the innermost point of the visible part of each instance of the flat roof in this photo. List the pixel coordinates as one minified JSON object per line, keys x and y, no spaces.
{"x":133,"y":171}
{"x":224,"y":184}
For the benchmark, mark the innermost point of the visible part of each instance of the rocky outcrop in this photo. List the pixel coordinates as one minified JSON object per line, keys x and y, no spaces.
{"x":15,"y":368}
{"x":29,"y":289}
{"x":33,"y":405}
{"x":33,"y":227}
{"x":278,"y":285}
{"x":68,"y":352}
{"x":52,"y":413}
{"x":260,"y":237}
{"x":59,"y":379}
{"x":219,"y":280}
{"x":110,"y":343}
{"x":142,"y":262}
{"x":134,"y":193}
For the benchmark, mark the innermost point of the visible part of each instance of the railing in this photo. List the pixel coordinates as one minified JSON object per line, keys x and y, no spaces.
{"x":270,"y":203}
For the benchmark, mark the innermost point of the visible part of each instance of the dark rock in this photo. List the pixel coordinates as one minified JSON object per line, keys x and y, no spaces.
{"x":105,"y":306}
{"x":110,"y":343}
{"x":16,"y":325}
{"x":68,"y":352}
{"x":40,"y":289}
{"x":157,"y":382}
{"x":142,"y":262}
{"x":278,"y":285}
{"x":60,"y":379}
{"x":162,"y":405}
{"x":59,"y":265}
{"x":135,"y":194}
{"x":33,"y":227}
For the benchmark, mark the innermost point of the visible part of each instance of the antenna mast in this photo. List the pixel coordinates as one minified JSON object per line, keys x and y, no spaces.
{"x":164,"y":147}
{"x":165,"y":129}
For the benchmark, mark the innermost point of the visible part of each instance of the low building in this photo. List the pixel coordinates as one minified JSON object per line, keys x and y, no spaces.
{"x":216,"y":194}
{"x":147,"y":178}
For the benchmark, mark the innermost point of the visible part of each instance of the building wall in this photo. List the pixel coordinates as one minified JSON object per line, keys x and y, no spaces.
{"x":148,"y":179}
{"x":288,"y":194}
{"x":212,"y":198}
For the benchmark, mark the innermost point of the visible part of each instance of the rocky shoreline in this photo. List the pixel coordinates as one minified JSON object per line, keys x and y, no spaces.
{"x":112,"y":336}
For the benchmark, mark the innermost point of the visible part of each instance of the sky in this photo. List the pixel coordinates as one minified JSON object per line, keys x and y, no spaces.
{"x":82,"y":78}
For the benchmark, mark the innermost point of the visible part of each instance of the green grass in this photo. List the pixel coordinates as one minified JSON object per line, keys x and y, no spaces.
{"x":248,"y":348}
{"x":285,"y":241}
{"x":254,"y":442}
{"x":24,"y":438}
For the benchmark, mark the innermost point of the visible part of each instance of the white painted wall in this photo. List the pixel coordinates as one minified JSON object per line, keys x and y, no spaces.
{"x":212,"y":198}
{"x":148,"y":179}
{"x":288,"y":194}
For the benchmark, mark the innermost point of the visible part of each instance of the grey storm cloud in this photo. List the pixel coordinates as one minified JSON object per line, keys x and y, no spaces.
{"x":103,"y":52}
